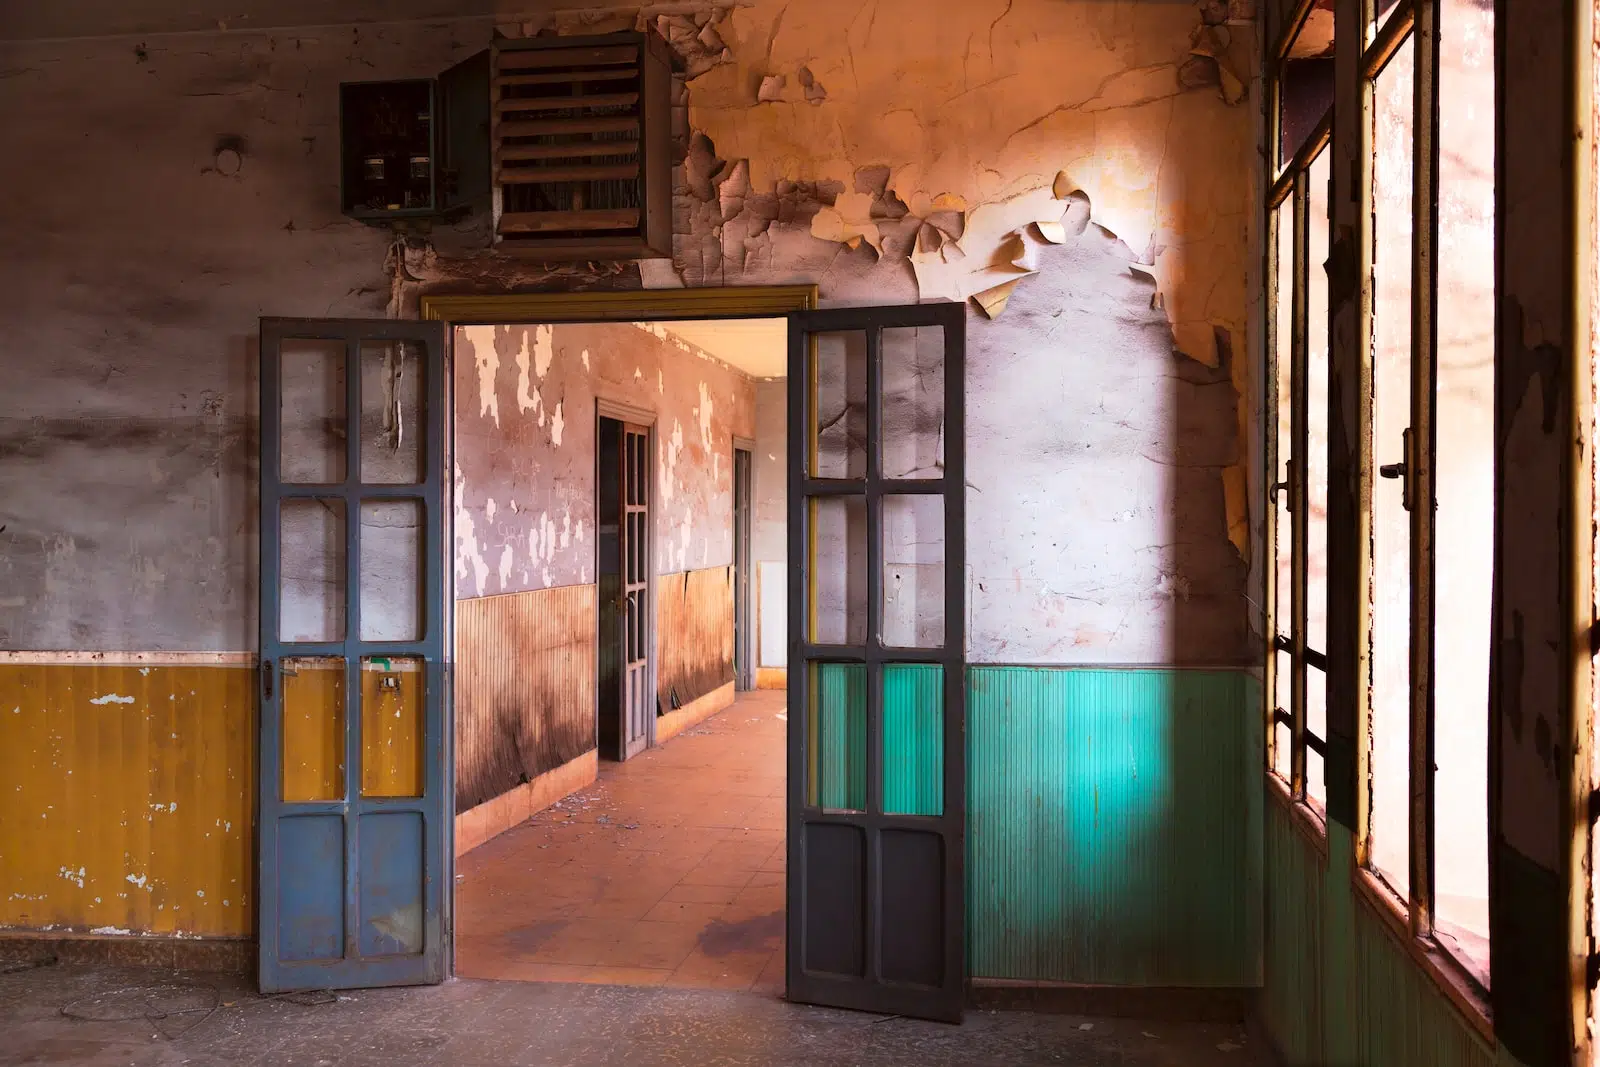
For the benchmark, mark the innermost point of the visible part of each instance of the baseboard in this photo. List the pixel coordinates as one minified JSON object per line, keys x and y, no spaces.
{"x":693,"y":713}
{"x":772,"y":677}
{"x":1137,"y":1002}
{"x":214,"y":955}
{"x":499,"y":814}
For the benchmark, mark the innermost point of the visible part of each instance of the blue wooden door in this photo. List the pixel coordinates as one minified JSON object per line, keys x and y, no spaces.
{"x":352,"y":774}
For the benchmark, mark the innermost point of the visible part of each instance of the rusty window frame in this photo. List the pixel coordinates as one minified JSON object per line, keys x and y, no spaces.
{"x":1291,"y":184}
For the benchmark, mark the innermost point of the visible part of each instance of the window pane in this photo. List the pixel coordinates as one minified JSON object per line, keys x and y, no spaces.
{"x":913,"y":402}
{"x":391,"y":570}
{"x":837,"y":761}
{"x":1464,"y":470}
{"x":312,"y":436}
{"x":839,"y":570}
{"x":391,"y":412}
{"x":392,"y":726}
{"x":311,"y":570}
{"x":1391,"y":617}
{"x":840,"y":411}
{"x":1281,"y":737}
{"x":913,"y":739}
{"x":312,"y":761}
{"x":1283,"y":327}
{"x":913,"y":571}
{"x":1317,"y":405}
{"x":1316,"y":724}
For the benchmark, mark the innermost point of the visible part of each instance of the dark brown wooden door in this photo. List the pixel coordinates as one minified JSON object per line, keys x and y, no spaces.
{"x":638,"y":709}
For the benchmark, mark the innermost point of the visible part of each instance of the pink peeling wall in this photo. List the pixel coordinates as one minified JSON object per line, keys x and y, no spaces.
{"x":525,"y":449}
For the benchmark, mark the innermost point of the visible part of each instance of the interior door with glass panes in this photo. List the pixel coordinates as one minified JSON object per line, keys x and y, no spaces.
{"x":354,"y":627}
{"x":877,"y":782}
{"x":639,"y":712}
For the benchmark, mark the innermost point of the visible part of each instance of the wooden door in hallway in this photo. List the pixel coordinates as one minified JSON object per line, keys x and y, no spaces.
{"x":638,"y":720}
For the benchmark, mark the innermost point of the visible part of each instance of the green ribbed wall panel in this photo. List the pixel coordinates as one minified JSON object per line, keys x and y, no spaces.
{"x":1291,"y":1001}
{"x":1404,"y":1019}
{"x":1114,"y":826}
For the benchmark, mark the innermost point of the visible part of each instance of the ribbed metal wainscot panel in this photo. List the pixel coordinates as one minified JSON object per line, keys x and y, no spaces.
{"x":1405,"y":1019}
{"x":1291,"y":1002}
{"x":1114,"y":826}
{"x":525,"y":687}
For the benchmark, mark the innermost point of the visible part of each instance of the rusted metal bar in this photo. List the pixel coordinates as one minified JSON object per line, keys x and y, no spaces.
{"x":1298,"y":512}
{"x":1308,"y":151}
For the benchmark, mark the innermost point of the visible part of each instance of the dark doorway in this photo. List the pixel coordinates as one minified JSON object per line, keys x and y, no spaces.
{"x":744,"y":664}
{"x":622,"y":486}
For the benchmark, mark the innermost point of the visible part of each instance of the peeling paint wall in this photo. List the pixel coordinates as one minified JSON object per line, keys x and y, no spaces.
{"x":525,"y":449}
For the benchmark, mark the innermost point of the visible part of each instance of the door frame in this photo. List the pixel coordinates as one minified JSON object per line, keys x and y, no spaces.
{"x":638,"y":305}
{"x":607,"y":408}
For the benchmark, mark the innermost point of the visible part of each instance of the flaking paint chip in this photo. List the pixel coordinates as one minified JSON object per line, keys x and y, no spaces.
{"x":993,"y":301}
{"x":771,"y":91}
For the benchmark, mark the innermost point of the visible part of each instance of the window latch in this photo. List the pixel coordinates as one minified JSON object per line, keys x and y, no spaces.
{"x":1286,"y":485}
{"x":1401,"y":470}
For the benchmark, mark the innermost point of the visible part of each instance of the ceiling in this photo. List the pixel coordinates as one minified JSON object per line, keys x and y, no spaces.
{"x":759,"y":347}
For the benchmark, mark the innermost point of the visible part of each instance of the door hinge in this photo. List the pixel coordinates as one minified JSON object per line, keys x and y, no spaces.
{"x":266,"y":679}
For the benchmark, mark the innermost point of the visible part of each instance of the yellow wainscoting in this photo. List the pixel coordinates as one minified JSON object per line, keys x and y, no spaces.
{"x":128,"y":797}
{"x":392,"y":729}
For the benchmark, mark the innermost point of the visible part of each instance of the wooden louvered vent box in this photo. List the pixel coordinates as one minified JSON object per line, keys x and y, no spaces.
{"x":582,"y":146}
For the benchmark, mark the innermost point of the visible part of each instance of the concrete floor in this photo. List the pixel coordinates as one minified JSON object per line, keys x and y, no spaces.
{"x":668,"y":871}
{"x":104,"y":1017}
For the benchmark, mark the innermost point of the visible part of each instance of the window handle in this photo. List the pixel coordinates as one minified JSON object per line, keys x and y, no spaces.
{"x":1286,"y":485}
{"x":1401,"y":470}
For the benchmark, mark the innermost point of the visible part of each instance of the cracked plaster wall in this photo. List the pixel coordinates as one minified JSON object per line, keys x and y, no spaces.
{"x":525,"y":449}
{"x":1090,"y":162}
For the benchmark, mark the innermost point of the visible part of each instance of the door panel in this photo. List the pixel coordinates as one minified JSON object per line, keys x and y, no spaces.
{"x":354,"y":628}
{"x":877,"y":696}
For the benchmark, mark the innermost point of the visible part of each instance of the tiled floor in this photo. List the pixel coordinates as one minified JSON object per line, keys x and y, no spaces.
{"x":668,"y":871}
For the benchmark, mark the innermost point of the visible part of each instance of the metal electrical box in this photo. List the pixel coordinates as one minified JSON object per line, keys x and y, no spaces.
{"x":417,"y":148}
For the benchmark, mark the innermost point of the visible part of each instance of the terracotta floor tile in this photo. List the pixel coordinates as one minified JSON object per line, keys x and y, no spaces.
{"x":668,"y":869}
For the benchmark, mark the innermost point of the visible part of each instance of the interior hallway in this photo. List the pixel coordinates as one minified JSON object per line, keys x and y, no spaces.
{"x":667,"y":871}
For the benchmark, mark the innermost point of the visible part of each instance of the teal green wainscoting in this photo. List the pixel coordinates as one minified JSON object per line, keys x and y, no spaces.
{"x":1340,"y":988}
{"x":913,"y":738}
{"x":1114,"y":826}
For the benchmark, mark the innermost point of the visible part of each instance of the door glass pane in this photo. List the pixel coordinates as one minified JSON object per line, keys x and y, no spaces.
{"x":839,"y":570}
{"x":1283,"y":300}
{"x":913,"y":571}
{"x":391,"y":412}
{"x":837,"y":752}
{"x":913,"y":402}
{"x":311,"y":579}
{"x":913,"y":739}
{"x":1391,"y":617}
{"x":1316,"y":724}
{"x":392,"y":726}
{"x":1464,"y":472}
{"x":839,"y":449}
{"x":312,"y":445}
{"x":1317,"y":405}
{"x":312,"y":764}
{"x":391,"y":570}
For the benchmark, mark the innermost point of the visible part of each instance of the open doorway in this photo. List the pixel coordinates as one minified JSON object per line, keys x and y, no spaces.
{"x":620,"y":501}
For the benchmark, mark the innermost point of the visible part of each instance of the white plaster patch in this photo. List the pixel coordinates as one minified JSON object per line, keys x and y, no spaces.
{"x":557,"y":425}
{"x":505,"y":565}
{"x":111,"y":698}
{"x":585,"y":359}
{"x":544,"y":350}
{"x":578,"y":532}
{"x":468,"y":554}
{"x":110,"y":929}
{"x":74,"y":876}
{"x":487,"y":362}
{"x":566,"y":529}
{"x":489,"y":509}
{"x":669,"y":461}
{"x":704,"y":411}
{"x":661,"y":382}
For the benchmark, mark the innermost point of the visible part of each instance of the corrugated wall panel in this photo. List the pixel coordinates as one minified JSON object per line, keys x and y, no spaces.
{"x":1404,"y":1018}
{"x":694,"y":633}
{"x":129,"y":797}
{"x":1291,"y":1002}
{"x":525,"y":687}
{"x":1114,"y":826}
